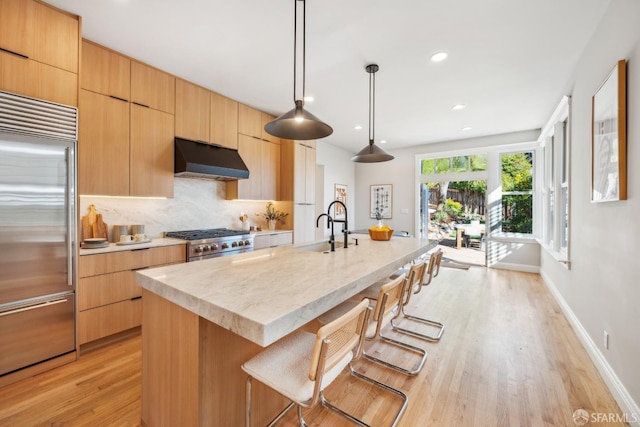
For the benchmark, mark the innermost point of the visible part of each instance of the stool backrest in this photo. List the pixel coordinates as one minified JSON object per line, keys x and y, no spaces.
{"x":339,"y":337}
{"x":389,"y":298}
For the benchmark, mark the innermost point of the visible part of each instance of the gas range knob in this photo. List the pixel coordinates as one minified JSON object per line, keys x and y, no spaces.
{"x":225,"y":246}
{"x":240,"y":243}
{"x":247,"y":243}
{"x":199,"y":248}
{"x":214,"y":247}
{"x":207,"y":248}
{"x":234,"y":244}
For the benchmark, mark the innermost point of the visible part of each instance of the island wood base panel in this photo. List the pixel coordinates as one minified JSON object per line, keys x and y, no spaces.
{"x":191,"y":373}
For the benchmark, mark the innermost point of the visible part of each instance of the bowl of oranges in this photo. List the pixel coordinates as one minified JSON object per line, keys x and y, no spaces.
{"x":380,"y":232}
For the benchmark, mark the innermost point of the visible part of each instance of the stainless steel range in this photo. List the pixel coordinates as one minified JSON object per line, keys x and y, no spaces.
{"x":214,"y":242}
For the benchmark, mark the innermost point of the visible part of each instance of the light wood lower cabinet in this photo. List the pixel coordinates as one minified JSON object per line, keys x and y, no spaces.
{"x":109,"y":299}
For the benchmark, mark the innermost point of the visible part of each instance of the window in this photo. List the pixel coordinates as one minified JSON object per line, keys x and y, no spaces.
{"x":456,"y":164}
{"x":556,"y":189}
{"x":517,"y":192}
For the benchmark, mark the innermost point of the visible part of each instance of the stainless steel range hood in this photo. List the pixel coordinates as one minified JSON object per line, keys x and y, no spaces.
{"x":200,"y":160}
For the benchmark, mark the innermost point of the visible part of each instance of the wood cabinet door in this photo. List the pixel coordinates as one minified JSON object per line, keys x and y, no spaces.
{"x":270,"y":158}
{"x":151,"y":163}
{"x":152,"y":88}
{"x":37,"y":80}
{"x":249,"y":121}
{"x":193,"y":110}
{"x":103,"y":145}
{"x":15,"y":26}
{"x":266,"y":118}
{"x":105,"y":71}
{"x":56,"y":38}
{"x":224,"y":121}
{"x":249,"y":149}
{"x":40,"y":32}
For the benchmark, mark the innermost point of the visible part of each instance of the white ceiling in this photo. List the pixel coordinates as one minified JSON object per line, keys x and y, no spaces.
{"x":509,"y":60}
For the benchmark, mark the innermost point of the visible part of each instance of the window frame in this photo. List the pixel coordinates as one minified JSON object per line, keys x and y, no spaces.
{"x":555,"y":146}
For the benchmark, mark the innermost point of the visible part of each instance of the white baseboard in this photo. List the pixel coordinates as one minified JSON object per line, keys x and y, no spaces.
{"x":527,"y":268}
{"x":618,"y":390}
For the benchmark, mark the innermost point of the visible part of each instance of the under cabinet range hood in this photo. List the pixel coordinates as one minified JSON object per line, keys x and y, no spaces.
{"x":201,"y":160}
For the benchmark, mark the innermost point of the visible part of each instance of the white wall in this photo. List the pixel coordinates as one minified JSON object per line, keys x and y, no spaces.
{"x":338,"y":169}
{"x":601,"y":290}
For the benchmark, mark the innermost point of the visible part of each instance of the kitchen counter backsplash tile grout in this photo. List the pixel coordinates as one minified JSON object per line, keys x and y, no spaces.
{"x":196,"y":204}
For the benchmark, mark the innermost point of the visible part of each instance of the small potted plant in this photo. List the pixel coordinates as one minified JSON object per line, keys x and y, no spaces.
{"x":271,"y":214}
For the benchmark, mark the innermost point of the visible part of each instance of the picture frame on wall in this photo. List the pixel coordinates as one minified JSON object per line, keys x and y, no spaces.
{"x":340,"y":194}
{"x":609,"y":137}
{"x":381,"y":201}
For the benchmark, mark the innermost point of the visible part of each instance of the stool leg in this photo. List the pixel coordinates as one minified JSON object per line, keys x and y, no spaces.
{"x":248,"y":403}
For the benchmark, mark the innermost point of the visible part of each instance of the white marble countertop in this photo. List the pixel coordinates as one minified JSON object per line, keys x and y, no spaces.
{"x":113,"y":247}
{"x":267,"y":294}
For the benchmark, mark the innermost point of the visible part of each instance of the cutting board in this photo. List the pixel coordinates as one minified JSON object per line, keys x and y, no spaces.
{"x":93,"y":225}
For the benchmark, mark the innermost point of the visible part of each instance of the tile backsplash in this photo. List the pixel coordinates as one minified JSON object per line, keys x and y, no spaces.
{"x":196,"y":204}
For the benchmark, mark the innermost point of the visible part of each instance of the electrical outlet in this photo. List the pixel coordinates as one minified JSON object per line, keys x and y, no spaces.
{"x":606,"y":340}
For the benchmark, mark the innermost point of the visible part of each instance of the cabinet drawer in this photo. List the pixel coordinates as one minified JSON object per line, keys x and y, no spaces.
{"x":280,"y":239}
{"x":37,"y":80}
{"x":109,"y":319}
{"x":96,"y":291}
{"x":92,"y":265}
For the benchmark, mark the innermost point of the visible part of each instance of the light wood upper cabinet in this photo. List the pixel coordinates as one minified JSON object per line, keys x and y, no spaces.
{"x":224,"y":121}
{"x":151,"y":148}
{"x":105,"y":71}
{"x":193,"y":111}
{"x":266,"y":118}
{"x":57,"y":36}
{"x":270,"y":157}
{"x":37,"y":80}
{"x":40,"y":32}
{"x":16,"y":26}
{"x":103,"y":147}
{"x":249,"y":121}
{"x":152,"y":88}
{"x":263,"y":161}
{"x":39,"y":56}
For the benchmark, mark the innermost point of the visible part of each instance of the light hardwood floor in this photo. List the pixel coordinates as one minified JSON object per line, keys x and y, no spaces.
{"x":508,"y":357}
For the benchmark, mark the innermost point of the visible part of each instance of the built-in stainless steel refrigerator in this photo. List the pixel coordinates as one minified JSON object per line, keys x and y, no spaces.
{"x":37,"y":231}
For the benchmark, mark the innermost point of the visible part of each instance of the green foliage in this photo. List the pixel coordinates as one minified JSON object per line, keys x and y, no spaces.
{"x":271,"y":213}
{"x":516,"y":172}
{"x":478,"y":186}
{"x":517,"y":210}
{"x":453,"y":208}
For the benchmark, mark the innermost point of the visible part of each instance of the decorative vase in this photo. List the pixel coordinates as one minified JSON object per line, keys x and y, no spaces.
{"x":272,"y":224}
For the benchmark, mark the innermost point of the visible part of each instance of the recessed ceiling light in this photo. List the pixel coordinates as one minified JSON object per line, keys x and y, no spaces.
{"x":308,"y":98}
{"x":467,"y":128}
{"x":458,"y":107}
{"x":383,"y":142}
{"x":439,"y":56}
{"x":357,"y":127}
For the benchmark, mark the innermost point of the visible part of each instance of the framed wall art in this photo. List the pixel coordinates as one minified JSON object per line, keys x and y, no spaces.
{"x":381,"y":201}
{"x":609,"y":137}
{"x":340,"y":194}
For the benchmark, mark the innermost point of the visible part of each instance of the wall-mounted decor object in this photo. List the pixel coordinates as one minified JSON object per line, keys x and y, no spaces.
{"x":340,"y":194}
{"x":609,"y":137}
{"x":381,"y":201}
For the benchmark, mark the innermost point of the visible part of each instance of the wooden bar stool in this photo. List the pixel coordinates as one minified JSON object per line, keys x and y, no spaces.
{"x":301,"y":365}
{"x":387,"y":307}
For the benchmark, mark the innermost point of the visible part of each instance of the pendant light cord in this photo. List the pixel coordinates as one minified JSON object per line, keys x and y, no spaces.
{"x":295,"y":47}
{"x":372,"y":106}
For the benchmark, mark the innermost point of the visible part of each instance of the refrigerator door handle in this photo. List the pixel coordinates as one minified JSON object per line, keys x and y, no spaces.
{"x":70,"y":219}
{"x":35,"y":306}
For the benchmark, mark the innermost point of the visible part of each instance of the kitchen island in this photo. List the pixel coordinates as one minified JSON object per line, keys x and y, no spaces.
{"x":202,"y":320}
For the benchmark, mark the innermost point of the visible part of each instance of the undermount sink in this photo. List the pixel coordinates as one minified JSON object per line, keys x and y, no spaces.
{"x":322,"y":246}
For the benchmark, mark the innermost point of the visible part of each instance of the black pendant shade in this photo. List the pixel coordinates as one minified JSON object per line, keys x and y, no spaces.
{"x":372,"y":153}
{"x":298,"y":123}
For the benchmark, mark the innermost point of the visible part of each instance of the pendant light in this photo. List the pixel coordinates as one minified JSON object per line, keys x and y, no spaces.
{"x":372,"y":153}
{"x":298,"y":123}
